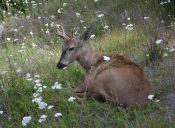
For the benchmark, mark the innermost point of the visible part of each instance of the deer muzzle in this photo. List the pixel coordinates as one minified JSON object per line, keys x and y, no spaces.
{"x":61,"y":66}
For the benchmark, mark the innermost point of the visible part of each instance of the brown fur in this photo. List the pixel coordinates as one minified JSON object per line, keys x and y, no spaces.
{"x":118,"y":81}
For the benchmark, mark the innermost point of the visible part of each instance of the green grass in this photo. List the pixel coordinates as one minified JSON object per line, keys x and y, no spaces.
{"x":18,"y":91}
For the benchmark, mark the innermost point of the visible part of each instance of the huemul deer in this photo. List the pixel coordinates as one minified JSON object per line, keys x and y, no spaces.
{"x":118,"y":81}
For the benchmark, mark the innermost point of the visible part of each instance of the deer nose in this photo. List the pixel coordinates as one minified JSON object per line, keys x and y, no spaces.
{"x":61,"y":66}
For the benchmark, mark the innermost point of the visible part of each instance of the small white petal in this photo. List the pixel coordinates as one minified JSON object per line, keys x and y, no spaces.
{"x":64,"y":67}
{"x":100,"y":15}
{"x":42,"y":105}
{"x":57,"y":114}
{"x":44,"y":86}
{"x":36,"y":95}
{"x":38,"y":84}
{"x":42,"y":118}
{"x":1,"y":112}
{"x":165,"y":54}
{"x":150,"y":97}
{"x":26,"y":120}
{"x":145,"y":18}
{"x":18,"y":70}
{"x":8,"y":39}
{"x":37,"y":81}
{"x":29,"y":79}
{"x":172,"y":50}
{"x":159,"y":41}
{"x":64,"y":4}
{"x":37,"y":76}
{"x":71,"y":99}
{"x":50,"y":106}
{"x":4,"y":72}
{"x":157,"y":100}
{"x":106,"y":58}
{"x":56,"y":86}
{"x":92,"y":36}
{"x":28,"y":75}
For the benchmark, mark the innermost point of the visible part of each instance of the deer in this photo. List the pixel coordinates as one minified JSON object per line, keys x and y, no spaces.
{"x":116,"y":80}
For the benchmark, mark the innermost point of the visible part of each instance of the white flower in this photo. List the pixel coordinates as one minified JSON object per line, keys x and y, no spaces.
{"x":165,"y":54}
{"x":50,"y":106}
{"x":4,"y":72}
{"x":44,"y":86}
{"x":36,"y":95}
{"x":106,"y":58}
{"x":159,"y":41}
{"x":128,"y":18}
{"x":25,"y":38}
{"x":38,"y":85}
{"x":64,"y":67}
{"x":34,"y":45}
{"x":40,"y":89}
{"x":1,"y":112}
{"x":64,"y":4}
{"x":58,"y":26}
{"x":53,"y":17}
{"x":37,"y":76}
{"x":57,"y":114}
{"x":145,"y":18}
{"x":42,"y":105}
{"x":18,"y":70}
{"x":92,"y":36}
{"x":71,"y":99}
{"x":46,"y":25}
{"x":95,"y":0}
{"x":31,"y":33}
{"x":52,"y":24}
{"x":100,"y":15}
{"x":129,"y":27}
{"x":15,"y":40}
{"x":150,"y":97}
{"x":37,"y":81}
{"x":26,"y":120}
{"x":157,"y":100}
{"x":37,"y":100}
{"x":81,"y":21}
{"x":21,"y":50}
{"x":106,"y":27}
{"x":172,"y":50}
{"x":77,"y":14}
{"x":29,"y":79}
{"x":8,"y":39}
{"x":56,"y":86}
{"x":59,"y":10}
{"x":28,"y":75}
{"x":47,"y":32}
{"x":42,"y":118}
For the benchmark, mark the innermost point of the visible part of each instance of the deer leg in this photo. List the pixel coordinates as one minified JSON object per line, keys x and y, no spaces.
{"x":79,"y":92}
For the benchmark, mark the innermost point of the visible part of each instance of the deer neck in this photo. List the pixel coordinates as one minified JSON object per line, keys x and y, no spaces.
{"x":88,"y":57}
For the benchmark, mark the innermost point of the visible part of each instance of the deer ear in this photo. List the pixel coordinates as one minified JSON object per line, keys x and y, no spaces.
{"x":86,"y":35}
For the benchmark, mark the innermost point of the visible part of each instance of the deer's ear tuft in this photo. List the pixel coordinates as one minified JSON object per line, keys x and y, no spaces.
{"x":86,"y":35}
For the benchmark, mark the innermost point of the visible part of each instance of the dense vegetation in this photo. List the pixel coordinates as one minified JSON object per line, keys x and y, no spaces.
{"x":29,"y":51}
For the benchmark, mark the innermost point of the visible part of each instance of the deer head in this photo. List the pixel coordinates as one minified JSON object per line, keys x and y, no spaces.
{"x":72,"y":47}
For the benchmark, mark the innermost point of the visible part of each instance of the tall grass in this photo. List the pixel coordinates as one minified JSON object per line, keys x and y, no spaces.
{"x":39,"y":54}
{"x":18,"y":91}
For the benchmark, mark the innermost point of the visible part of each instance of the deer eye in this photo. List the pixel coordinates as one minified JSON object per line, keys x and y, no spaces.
{"x":71,"y":49}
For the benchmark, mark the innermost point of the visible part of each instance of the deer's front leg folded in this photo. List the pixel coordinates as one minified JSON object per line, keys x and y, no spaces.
{"x":79,"y":92}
